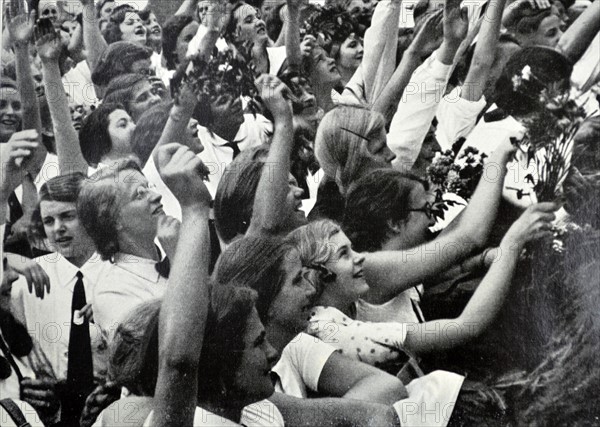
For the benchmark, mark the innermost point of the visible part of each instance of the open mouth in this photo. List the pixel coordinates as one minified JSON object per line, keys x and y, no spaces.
{"x":156,"y":30}
{"x":333,"y":69}
{"x":140,"y":31}
{"x":64,"y":241}
{"x":359,"y":56}
{"x":158,"y":211}
{"x":9,"y":122}
{"x":77,"y":126}
{"x":261,"y":30}
{"x":359,"y":274}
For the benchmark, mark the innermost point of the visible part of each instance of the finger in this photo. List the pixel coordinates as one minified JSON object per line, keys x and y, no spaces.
{"x":180,"y":155}
{"x":546,"y":207}
{"x":37,"y":403}
{"x":39,"y":394}
{"x":166,"y":152}
{"x":42,"y":383}
{"x":29,"y":284}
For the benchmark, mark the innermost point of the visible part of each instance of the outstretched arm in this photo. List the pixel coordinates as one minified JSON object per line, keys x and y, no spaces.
{"x":20,"y":28}
{"x":485,"y":52}
{"x":95,"y":45}
{"x":580,"y":34}
{"x":69,"y":154}
{"x":487,"y":300}
{"x":269,"y":204}
{"x":391,"y":272}
{"x":292,"y":33}
{"x":185,"y":305}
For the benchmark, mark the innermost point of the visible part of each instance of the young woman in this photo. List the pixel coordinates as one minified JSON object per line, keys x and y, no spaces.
{"x":339,"y":276}
{"x":121,"y":214}
{"x":532,"y":26}
{"x":134,"y":92}
{"x":178,"y":31}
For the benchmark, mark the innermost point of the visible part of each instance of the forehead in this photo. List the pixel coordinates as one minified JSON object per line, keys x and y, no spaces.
{"x":142,"y":86}
{"x":292,"y":263}
{"x":47,"y":4}
{"x":117,"y":115}
{"x":132,"y":15}
{"x":129,"y":180}
{"x":9,"y":93}
{"x":339,"y":239}
{"x":549,"y":22}
{"x":53,"y":208}
{"x":244,"y":11}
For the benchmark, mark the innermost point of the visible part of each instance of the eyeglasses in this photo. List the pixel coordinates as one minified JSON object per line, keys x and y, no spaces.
{"x":356,"y":134}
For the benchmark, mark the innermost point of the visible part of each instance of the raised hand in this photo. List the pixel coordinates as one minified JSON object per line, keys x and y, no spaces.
{"x":20,"y":23}
{"x":456,"y":22}
{"x":429,"y":36}
{"x":47,"y":41}
{"x":14,"y":155}
{"x":184,"y":173}
{"x":217,"y":15}
{"x":37,"y":279}
{"x":307,"y":45}
{"x":41,"y":394}
{"x":275,"y":95}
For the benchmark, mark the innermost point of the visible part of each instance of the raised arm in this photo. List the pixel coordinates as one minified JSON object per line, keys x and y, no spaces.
{"x":575,"y":41}
{"x":412,"y":121}
{"x":269,"y":204}
{"x":188,"y":7}
{"x":391,"y":272}
{"x":387,"y":102}
{"x":69,"y":154}
{"x":20,"y":27}
{"x":487,"y":300}
{"x":485,"y":52}
{"x":292,"y":33}
{"x":185,"y":304}
{"x":95,"y":45}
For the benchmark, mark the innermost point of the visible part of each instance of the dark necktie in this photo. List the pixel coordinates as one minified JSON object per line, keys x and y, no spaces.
{"x":234,"y":146}
{"x":80,"y":369}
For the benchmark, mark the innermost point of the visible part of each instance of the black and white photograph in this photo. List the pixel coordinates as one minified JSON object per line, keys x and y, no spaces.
{"x":299,"y":213}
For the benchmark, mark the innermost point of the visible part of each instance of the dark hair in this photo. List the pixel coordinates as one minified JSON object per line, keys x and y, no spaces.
{"x":112,"y":33}
{"x":274,"y":22}
{"x":94,"y":138}
{"x":134,"y":351}
{"x":171,"y":30}
{"x":118,"y":59}
{"x":255,"y":262}
{"x":236,"y":191}
{"x":527,"y":19}
{"x":62,"y":188}
{"x":98,"y":207}
{"x":100,"y":4}
{"x":373,"y":202}
{"x":149,"y":129}
{"x":232,"y":24}
{"x":121,"y":89}
{"x":145,"y":13}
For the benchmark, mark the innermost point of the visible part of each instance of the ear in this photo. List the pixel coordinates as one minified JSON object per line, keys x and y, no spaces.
{"x":394,"y":226}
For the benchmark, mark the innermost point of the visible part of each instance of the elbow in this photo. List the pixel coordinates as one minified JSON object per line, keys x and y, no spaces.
{"x":181,"y":364}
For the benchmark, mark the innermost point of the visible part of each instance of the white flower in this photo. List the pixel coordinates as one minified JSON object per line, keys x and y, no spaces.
{"x":526,"y":72}
{"x":225,"y":67}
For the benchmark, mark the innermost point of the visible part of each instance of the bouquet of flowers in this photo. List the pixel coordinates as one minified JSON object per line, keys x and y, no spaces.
{"x":459,"y":176}
{"x":550,"y":131}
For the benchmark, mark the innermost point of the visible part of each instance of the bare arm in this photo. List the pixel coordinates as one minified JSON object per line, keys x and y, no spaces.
{"x":333,"y":412}
{"x":188,"y":7}
{"x":343,"y":377}
{"x":387,"y":103}
{"x":291,"y":27}
{"x":391,"y":272}
{"x":185,"y":305}
{"x":20,"y":28}
{"x":485,"y":52}
{"x":95,"y":44}
{"x":273,"y":187}
{"x":69,"y":154}
{"x":575,"y":41}
{"x":491,"y":292}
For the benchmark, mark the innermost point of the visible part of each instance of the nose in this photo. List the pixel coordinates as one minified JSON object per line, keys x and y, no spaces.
{"x":154,"y":99}
{"x":359,"y":258}
{"x":272,"y":354}
{"x":9,"y":108}
{"x":58,"y":226}
{"x":155,"y":197}
{"x":389,"y":154}
{"x":298,"y":192}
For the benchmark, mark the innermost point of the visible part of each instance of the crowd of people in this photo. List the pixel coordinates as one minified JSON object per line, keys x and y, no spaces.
{"x":227,"y":218}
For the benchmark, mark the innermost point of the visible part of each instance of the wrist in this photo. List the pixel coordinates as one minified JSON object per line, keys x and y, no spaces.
{"x":177,"y":113}
{"x":197,"y":210}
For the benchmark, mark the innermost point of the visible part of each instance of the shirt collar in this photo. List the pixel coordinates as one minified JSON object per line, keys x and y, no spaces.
{"x":141,"y":267}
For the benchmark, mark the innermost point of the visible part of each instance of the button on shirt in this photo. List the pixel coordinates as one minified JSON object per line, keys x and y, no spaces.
{"x":48,"y":320}
{"x":128,"y":282}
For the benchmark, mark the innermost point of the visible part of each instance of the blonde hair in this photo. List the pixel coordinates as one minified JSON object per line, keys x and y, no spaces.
{"x":341,"y":144}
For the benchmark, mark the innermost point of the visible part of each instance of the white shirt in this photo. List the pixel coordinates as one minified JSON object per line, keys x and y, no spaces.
{"x":456,"y":117}
{"x":79,"y":86}
{"x":416,"y":110}
{"x":48,"y":320}
{"x":28,"y":412}
{"x":301,"y":364}
{"x":128,"y":282}
{"x":216,"y":156}
{"x":10,"y":387}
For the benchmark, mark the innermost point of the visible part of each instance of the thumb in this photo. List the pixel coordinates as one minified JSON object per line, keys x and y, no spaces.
{"x":166,"y":152}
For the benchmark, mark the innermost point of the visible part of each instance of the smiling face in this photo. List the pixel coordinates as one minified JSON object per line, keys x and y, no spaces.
{"x":291,"y":307}
{"x":120,"y":129}
{"x":415,"y":230}
{"x":140,"y":208}
{"x":153,"y":29}
{"x":252,"y":380}
{"x":65,"y":234}
{"x":351,"y":53}
{"x":349,"y":284}
{"x":11,"y":112}
{"x":49,"y":9}
{"x":249,"y":26}
{"x":132,"y":29}
{"x":183,"y":40}
{"x":144,"y":97}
